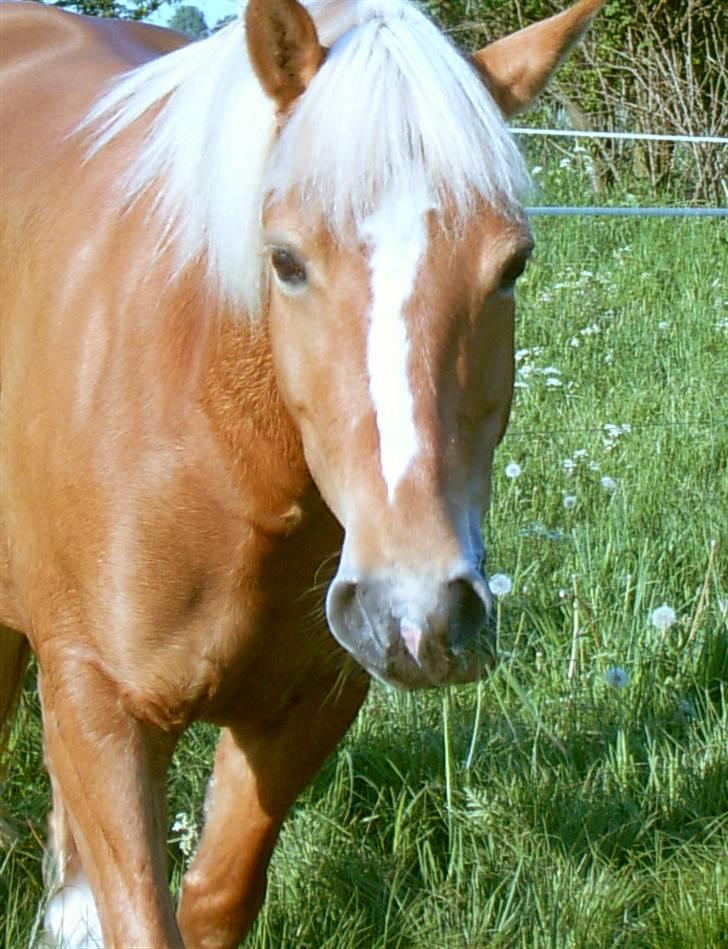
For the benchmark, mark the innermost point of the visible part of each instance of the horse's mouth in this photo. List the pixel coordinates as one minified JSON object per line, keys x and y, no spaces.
{"x":404,"y":673}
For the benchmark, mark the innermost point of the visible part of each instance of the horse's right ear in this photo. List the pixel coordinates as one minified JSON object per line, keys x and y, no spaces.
{"x":283,"y":47}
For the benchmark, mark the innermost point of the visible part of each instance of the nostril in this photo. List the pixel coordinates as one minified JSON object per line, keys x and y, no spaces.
{"x":341,"y":605}
{"x":468,"y":612}
{"x":341,"y":595}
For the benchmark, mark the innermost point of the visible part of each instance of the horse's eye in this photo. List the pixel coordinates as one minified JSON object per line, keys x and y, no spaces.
{"x":289,"y":269}
{"x":512,"y":272}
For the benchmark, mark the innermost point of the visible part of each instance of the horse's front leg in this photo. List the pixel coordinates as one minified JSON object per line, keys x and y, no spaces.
{"x":259,"y":772}
{"x":109,"y":773}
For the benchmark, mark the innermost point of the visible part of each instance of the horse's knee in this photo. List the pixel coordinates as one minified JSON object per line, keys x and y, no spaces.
{"x":214,"y":916}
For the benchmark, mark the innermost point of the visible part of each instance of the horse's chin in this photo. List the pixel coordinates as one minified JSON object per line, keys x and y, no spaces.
{"x":399,"y":670}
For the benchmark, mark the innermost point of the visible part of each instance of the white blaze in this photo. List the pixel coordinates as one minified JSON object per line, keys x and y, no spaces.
{"x":397,"y":235}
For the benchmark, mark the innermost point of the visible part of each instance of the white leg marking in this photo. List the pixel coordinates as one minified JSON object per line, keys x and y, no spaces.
{"x":397,"y":235}
{"x":71,"y":920}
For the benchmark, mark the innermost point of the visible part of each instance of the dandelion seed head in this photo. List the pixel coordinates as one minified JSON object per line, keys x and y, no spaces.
{"x":663,"y":617}
{"x":500,"y":584}
{"x":608,"y":484}
{"x":513,"y":470}
{"x":569,"y":502}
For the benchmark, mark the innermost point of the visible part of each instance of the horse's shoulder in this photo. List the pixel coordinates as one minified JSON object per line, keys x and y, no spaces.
{"x":31,"y":31}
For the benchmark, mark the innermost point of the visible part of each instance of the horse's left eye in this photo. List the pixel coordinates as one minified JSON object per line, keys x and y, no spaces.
{"x":289,"y":269}
{"x":512,"y":272}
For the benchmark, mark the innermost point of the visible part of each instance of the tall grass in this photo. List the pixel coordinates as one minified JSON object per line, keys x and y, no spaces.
{"x":579,"y":796}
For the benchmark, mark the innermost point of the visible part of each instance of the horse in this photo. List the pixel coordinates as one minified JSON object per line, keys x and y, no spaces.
{"x":257,"y":353}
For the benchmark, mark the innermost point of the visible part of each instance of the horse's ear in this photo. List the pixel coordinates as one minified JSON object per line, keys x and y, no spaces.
{"x":518,"y":67}
{"x":284,"y":48}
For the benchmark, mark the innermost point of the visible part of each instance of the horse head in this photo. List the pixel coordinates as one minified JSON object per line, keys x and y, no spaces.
{"x":394,"y":236}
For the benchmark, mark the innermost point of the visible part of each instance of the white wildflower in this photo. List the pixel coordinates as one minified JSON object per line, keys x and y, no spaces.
{"x":513,"y":470}
{"x":553,"y":382}
{"x":616,"y":677}
{"x":184,"y":825}
{"x":500,"y":584}
{"x":663,"y":617}
{"x":663,"y":325}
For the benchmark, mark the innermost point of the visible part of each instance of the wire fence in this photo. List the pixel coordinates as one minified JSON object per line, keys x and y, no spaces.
{"x":548,"y":210}
{"x":605,"y":211}
{"x":623,"y":136}
{"x":633,"y":212}
{"x":720,"y":424}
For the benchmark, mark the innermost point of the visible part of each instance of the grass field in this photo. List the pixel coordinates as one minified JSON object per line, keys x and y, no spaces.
{"x":579,"y":797}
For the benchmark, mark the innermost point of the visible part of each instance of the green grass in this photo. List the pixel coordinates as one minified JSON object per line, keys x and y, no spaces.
{"x":576,"y":814}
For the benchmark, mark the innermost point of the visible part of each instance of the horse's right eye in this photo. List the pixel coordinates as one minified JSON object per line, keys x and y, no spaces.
{"x":289,"y":269}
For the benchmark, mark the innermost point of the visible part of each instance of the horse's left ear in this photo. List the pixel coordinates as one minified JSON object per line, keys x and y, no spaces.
{"x":283,"y":47}
{"x":518,"y":67}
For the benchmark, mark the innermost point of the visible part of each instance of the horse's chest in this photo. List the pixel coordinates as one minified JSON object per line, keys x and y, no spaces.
{"x":220,"y":644}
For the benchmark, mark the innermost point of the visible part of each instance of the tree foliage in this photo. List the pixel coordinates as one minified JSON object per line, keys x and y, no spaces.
{"x":189,"y":20}
{"x":128,"y":10}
